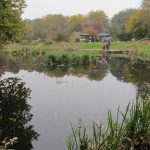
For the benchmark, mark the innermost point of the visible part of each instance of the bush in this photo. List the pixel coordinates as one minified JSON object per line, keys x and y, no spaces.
{"x":125,"y":37}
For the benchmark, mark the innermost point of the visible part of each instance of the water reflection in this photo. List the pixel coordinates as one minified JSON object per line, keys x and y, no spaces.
{"x":123,"y":69}
{"x":15,"y":113}
{"x":63,"y":94}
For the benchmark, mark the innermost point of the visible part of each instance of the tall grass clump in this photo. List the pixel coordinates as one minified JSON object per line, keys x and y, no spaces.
{"x":51,"y":60}
{"x":35,"y":53}
{"x":85,"y":60}
{"x":75,"y":60}
{"x":129,"y":130}
{"x":64,"y":59}
{"x":94,"y":60}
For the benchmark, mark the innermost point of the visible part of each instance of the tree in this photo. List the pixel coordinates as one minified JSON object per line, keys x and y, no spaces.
{"x":146,"y":4}
{"x":28,"y":31}
{"x":91,"y":31}
{"x":138,"y":24}
{"x":98,"y":21}
{"x":57,"y":27}
{"x":144,"y":18}
{"x":37,"y":28}
{"x":118,"y":22}
{"x":77,"y":22}
{"x":10,"y":20}
{"x":15,"y":113}
{"x":132,"y":20}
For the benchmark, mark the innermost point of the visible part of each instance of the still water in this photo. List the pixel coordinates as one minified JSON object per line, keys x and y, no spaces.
{"x":63,"y":95}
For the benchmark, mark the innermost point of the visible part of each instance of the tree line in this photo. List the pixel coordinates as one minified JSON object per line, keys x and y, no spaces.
{"x":66,"y":28}
{"x":126,"y":25}
{"x":132,"y":23}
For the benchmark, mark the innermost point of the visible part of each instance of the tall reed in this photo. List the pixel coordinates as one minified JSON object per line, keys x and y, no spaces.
{"x":130,"y":130}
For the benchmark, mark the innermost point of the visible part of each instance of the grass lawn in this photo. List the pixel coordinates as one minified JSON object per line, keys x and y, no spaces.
{"x":117,"y":45}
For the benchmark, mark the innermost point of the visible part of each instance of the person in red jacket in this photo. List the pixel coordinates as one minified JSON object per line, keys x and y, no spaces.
{"x":103,"y":46}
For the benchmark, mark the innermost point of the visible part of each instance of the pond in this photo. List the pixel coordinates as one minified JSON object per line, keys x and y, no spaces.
{"x":67,"y":94}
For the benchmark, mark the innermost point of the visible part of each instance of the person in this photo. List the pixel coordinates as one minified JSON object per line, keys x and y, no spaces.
{"x":103,"y":46}
{"x":105,"y":58}
{"x":108,"y":43}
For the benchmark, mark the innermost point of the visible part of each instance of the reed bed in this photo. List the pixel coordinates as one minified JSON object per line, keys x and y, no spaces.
{"x":64,"y":59}
{"x":130,"y":130}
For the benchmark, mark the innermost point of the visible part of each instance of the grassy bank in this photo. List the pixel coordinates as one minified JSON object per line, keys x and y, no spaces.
{"x":139,"y":49}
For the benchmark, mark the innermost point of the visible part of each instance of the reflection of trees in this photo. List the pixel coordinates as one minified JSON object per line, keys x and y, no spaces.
{"x":2,"y":63}
{"x":56,"y":71}
{"x":14,"y":68}
{"x":98,"y":73}
{"x":15,"y":113}
{"x":135,"y":72}
{"x":92,"y":73}
{"x":129,"y":70}
{"x":118,"y":67}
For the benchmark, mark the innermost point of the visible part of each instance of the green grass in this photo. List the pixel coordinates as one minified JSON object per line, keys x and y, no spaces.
{"x":92,"y":45}
{"x":97,"y":45}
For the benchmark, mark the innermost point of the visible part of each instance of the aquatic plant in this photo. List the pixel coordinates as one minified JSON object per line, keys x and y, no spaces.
{"x":85,"y":59}
{"x":75,"y":60}
{"x":35,"y":53}
{"x":51,"y":60}
{"x":64,"y":59}
{"x":15,"y":53}
{"x":130,"y":130}
{"x":94,"y":60}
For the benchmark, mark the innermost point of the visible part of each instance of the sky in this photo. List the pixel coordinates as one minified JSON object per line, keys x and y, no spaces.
{"x":40,"y":8}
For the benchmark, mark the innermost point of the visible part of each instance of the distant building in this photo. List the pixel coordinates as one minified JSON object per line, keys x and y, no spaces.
{"x":85,"y":37}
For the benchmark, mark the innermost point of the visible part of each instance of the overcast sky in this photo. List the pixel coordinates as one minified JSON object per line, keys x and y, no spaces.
{"x":40,"y":8}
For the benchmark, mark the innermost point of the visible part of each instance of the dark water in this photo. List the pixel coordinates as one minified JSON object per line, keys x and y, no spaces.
{"x":63,"y":95}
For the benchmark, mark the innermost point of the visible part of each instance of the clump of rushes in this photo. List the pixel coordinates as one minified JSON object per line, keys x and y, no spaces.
{"x":64,"y":59}
{"x":35,"y":53}
{"x":85,"y":60}
{"x":16,"y":53}
{"x":76,"y":60}
{"x":130,"y":130}
{"x":51,"y":60}
{"x":94,"y":60}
